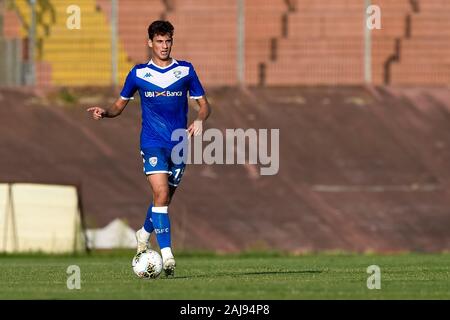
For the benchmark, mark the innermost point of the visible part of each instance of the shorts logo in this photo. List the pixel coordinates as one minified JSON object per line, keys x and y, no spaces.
{"x":153,"y":161}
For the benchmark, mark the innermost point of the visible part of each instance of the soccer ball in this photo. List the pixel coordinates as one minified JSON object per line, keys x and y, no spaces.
{"x":147,"y":264}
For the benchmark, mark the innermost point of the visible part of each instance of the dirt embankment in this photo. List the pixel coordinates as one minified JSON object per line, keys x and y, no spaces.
{"x":359,"y":169}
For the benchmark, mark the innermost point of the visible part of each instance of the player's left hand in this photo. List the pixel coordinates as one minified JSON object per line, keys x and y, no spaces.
{"x":196,"y":128}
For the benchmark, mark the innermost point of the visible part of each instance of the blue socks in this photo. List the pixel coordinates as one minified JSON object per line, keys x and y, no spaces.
{"x":158,"y":219}
{"x":148,"y":224}
{"x":161,"y":223}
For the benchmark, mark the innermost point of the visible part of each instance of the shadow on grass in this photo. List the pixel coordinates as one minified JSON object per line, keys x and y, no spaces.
{"x":238,"y":274}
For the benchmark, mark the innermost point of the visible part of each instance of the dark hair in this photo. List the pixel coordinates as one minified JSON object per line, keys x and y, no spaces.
{"x":160,"y":28}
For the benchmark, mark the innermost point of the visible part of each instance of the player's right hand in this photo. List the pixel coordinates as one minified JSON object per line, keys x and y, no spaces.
{"x":97,"y":112}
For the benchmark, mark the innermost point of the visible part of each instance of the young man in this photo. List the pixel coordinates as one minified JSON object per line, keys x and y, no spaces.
{"x":163,"y":85}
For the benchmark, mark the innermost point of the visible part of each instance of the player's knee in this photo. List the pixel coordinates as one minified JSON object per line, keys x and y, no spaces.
{"x":161,"y":197}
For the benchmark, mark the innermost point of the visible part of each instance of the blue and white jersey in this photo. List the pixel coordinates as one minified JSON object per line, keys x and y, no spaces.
{"x":164,"y":104}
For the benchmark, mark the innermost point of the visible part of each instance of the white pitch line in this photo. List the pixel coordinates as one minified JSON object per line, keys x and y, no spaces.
{"x":376,"y":188}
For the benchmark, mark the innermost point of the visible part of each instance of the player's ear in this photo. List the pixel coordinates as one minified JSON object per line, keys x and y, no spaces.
{"x":150,"y":43}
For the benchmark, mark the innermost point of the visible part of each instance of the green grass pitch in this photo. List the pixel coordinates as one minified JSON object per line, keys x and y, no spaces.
{"x":245,"y":276}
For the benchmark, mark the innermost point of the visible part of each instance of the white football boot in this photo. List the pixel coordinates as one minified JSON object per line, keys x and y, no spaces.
{"x":168,"y":262}
{"x":142,"y":241}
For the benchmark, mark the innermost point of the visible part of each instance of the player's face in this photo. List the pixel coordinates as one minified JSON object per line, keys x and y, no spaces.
{"x":161,"y":46}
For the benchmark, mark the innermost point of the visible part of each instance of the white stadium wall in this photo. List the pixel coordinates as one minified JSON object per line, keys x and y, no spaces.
{"x":40,"y":218}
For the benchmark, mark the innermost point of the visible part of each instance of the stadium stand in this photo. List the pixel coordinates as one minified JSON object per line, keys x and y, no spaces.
{"x":10,"y":47}
{"x":323,"y":45}
{"x":326,"y":41}
{"x":11,"y":25}
{"x":384,"y":41}
{"x":287,"y":42}
{"x":205,"y":34}
{"x":425,"y":51}
{"x":263,"y":25}
{"x":133,"y":24}
{"x":76,"y":57}
{"x":362,"y":168}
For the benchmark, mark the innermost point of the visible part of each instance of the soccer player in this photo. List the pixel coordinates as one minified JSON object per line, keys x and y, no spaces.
{"x":163,"y":85}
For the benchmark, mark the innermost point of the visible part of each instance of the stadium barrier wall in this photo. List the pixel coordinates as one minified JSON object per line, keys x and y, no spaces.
{"x":40,"y":218}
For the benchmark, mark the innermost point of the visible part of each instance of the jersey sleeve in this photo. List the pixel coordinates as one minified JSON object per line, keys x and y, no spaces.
{"x":129,"y":88}
{"x":195,"y":87}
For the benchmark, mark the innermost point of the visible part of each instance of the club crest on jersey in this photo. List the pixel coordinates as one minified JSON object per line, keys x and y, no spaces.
{"x":177,"y":74}
{"x":153,"y":161}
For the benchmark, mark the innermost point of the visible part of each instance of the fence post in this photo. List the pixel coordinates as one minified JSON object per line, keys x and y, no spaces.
{"x":9,"y":61}
{"x":367,"y":47}
{"x":114,"y":39}
{"x":18,"y":62}
{"x":2,"y":9}
{"x":3,"y":74}
{"x":241,"y":42}
{"x":30,"y":76}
